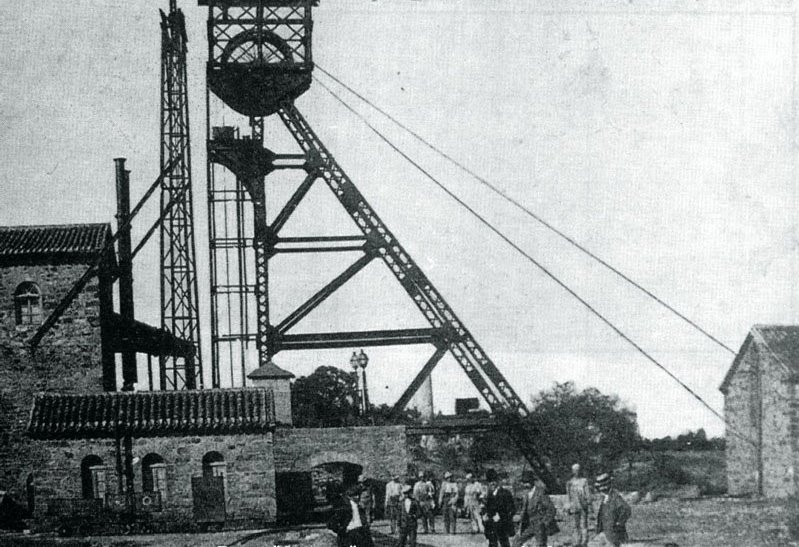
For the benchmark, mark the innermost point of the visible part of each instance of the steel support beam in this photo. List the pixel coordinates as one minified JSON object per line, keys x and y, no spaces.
{"x":417,"y":382}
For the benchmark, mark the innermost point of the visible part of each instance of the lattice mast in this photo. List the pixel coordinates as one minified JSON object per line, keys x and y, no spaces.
{"x":259,"y":62}
{"x":179,"y":294}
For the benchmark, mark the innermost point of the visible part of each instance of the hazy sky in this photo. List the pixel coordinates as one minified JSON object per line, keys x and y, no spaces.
{"x":659,"y":134}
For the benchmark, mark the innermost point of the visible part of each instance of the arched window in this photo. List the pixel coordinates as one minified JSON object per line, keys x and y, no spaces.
{"x":154,"y":475}
{"x":214,"y":465}
{"x":28,"y":304}
{"x":93,"y":478}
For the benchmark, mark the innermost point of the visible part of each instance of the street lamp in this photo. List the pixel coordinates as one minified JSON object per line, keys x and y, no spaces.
{"x":359,"y":361}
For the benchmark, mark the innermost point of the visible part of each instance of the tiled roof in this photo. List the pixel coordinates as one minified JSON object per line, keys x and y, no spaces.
{"x":152,"y":413}
{"x":66,"y":241}
{"x":780,"y":343}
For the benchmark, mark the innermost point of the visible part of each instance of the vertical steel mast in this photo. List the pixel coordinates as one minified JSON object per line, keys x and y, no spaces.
{"x":179,"y":310}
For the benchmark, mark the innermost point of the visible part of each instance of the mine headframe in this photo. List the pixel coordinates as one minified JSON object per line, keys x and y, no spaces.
{"x":259,"y":62}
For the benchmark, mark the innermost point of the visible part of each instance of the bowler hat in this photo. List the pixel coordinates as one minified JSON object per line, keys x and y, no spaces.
{"x":491,"y":475}
{"x":447,"y":474}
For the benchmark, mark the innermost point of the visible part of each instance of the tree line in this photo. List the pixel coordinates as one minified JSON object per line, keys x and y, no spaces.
{"x":585,"y":426}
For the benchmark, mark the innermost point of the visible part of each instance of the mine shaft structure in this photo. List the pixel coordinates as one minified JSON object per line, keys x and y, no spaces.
{"x":259,"y":62}
{"x":178,"y":280}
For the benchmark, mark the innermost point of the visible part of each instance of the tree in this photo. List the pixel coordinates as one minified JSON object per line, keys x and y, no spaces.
{"x":326,"y":398}
{"x":329,"y":398}
{"x":586,"y":427}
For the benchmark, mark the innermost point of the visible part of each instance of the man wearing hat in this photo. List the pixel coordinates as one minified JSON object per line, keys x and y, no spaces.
{"x":392,"y":501}
{"x":408,"y":516}
{"x":448,"y":501}
{"x":498,"y":512}
{"x":613,"y":512}
{"x":579,"y":505}
{"x":471,"y":499}
{"x":538,"y":513}
{"x":366,"y":500}
{"x":424,"y":494}
{"x":349,"y":522}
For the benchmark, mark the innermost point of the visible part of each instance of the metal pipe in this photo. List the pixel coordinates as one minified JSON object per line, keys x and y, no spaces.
{"x":126,"y":310}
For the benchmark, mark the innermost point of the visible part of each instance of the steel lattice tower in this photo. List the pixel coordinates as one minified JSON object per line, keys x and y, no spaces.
{"x":179,"y":310}
{"x":259,"y":62}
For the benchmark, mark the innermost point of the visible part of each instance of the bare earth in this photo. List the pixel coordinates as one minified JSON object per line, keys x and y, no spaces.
{"x":703,"y":522}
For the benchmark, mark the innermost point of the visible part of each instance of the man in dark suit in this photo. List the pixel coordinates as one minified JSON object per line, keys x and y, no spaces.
{"x":349,"y":521}
{"x":538,"y":514}
{"x":498,"y":512}
{"x":613,"y":512}
{"x":408,"y":517}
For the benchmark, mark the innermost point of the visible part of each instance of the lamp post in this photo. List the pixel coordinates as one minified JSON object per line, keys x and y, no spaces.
{"x":359,"y":361}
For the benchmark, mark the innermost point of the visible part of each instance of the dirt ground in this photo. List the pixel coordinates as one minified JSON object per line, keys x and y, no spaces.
{"x":707,"y":522}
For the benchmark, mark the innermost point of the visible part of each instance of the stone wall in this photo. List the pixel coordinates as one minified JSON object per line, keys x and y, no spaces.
{"x":380,"y":451}
{"x":68,"y":360}
{"x":250,"y":477}
{"x":760,"y":404}
{"x":741,"y":410}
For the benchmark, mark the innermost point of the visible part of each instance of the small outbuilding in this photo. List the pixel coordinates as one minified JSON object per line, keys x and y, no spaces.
{"x":762,"y":412}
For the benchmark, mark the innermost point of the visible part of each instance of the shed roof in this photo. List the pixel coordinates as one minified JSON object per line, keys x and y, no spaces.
{"x":152,"y":413}
{"x":52,"y":243}
{"x":781,"y":342}
{"x":269,"y":371}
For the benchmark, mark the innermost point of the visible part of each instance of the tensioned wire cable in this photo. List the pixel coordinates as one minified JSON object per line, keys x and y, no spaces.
{"x":537,"y":264}
{"x":528,"y":212}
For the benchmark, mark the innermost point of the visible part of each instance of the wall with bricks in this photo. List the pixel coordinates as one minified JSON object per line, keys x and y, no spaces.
{"x":380,"y":451}
{"x":68,"y":360}
{"x":760,"y":404}
{"x":249,"y":488}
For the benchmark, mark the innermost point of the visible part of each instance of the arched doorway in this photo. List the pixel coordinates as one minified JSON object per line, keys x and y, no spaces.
{"x":209,"y":490}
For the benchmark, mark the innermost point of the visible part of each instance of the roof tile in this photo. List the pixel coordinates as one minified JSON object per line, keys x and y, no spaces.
{"x":152,"y":413}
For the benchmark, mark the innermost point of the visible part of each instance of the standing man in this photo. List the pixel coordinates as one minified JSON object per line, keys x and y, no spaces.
{"x":538,"y":514}
{"x":408,"y":516}
{"x":471,"y":499}
{"x":579,"y":505}
{"x":349,"y":521}
{"x":393,"y":496}
{"x":366,"y":499}
{"x":613,"y":512}
{"x":448,"y":501}
{"x":498,"y":512}
{"x":423,"y":494}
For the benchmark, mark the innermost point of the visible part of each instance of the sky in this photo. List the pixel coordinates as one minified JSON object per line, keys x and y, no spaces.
{"x":660,"y":135}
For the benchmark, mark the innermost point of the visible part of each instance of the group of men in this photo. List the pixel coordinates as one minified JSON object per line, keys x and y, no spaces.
{"x":490,"y":507}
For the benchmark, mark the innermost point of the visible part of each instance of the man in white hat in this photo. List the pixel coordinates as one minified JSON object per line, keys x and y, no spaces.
{"x":392,"y":501}
{"x":579,"y":505}
{"x":611,"y":522}
{"x":448,"y":501}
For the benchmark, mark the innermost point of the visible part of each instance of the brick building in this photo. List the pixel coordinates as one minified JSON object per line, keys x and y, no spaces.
{"x":72,"y":445}
{"x":761,"y":405}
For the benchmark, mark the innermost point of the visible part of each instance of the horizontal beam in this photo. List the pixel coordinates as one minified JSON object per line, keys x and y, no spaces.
{"x":333,"y":340}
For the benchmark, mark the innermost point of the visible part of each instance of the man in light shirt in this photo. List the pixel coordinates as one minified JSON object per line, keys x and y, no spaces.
{"x":393,"y":496}
{"x":448,"y":501}
{"x":471,"y":499}
{"x":579,"y":505}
